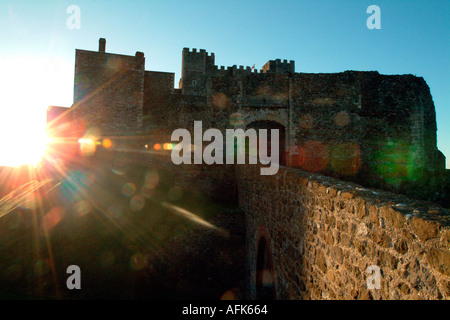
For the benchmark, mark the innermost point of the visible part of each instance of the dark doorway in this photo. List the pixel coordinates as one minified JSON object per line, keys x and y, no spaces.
{"x":265,"y":289}
{"x":269,"y":125}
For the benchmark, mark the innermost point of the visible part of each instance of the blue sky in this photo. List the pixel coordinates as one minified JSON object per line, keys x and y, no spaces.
{"x":37,"y":50}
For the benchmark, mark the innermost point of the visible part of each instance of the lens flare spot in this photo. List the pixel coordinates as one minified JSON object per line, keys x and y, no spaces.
{"x":346,"y":158}
{"x":88,"y":143}
{"x":42,"y":267}
{"x":137,"y":203}
{"x":313,"y":156}
{"x":236,"y":119}
{"x":178,"y":147}
{"x":342,"y":119}
{"x":88,"y":146}
{"x":168,"y":146}
{"x":128,"y":189}
{"x":51,"y":219}
{"x":220,"y":100}
{"x":151,"y":179}
{"x":157,"y":147}
{"x":107,"y":143}
{"x":83,"y":207}
{"x":138,"y":261}
{"x":395,"y":162}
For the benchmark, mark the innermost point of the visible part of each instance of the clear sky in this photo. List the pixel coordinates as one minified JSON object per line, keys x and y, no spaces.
{"x":37,"y":49}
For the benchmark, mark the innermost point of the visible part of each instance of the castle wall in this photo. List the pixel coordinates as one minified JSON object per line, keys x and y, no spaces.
{"x":359,"y":126}
{"x":371,"y":128}
{"x":325,"y":233}
{"x":159,"y":99}
{"x":375,"y":129}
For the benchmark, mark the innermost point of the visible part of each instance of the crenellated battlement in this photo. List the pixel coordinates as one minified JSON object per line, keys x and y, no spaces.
{"x":197,"y":51}
{"x":272,"y":66}
{"x":203,"y":63}
{"x":278,"y":66}
{"x":235,"y":70}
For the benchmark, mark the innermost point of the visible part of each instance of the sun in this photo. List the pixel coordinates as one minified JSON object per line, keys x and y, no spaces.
{"x":23,"y":147}
{"x":29,"y":85}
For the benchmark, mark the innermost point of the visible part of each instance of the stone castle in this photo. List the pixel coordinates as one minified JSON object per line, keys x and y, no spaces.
{"x":378,"y":130}
{"x":312,"y":229}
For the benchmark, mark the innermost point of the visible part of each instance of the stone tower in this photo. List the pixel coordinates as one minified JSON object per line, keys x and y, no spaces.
{"x":109,"y":91}
{"x":196,"y":67}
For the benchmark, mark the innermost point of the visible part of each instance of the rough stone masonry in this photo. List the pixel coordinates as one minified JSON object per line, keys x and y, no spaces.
{"x":323,"y":234}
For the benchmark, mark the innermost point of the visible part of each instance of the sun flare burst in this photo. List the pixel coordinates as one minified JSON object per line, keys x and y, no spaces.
{"x":29,"y":85}
{"x":23,"y":147}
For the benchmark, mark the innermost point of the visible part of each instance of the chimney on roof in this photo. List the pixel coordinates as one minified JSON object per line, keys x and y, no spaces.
{"x":101,"y":45}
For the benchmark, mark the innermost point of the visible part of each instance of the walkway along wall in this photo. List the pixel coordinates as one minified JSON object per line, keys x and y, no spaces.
{"x":322,"y":235}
